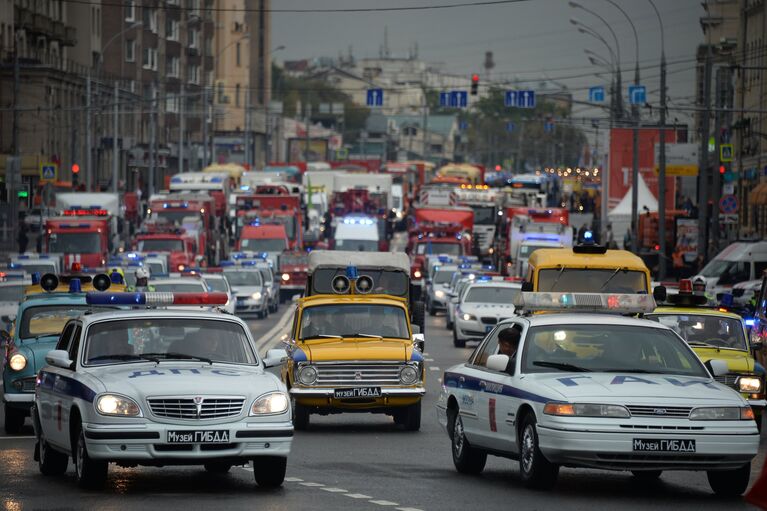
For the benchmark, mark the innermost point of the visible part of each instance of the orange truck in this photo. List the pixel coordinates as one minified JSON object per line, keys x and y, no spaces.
{"x":269,"y":209}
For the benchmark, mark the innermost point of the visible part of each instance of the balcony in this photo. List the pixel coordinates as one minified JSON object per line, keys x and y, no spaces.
{"x":192,"y":52}
{"x":70,"y":36}
{"x":23,"y":17}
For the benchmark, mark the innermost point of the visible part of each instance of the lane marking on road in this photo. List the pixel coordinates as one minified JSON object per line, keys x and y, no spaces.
{"x":17,"y":437}
{"x":334,"y":490}
{"x":383,"y":502}
{"x":281,"y":324}
{"x":312,"y":485}
{"x":425,"y":354}
{"x":358,"y":496}
{"x":293,"y":480}
{"x":433,"y":368}
{"x":408,"y":509}
{"x":439,"y":380}
{"x":429,"y":359}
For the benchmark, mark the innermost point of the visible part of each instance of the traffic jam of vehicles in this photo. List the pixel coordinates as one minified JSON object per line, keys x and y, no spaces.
{"x":131,"y":344}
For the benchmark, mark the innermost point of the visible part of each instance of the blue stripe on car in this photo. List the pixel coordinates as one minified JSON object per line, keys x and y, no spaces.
{"x":472,"y":383}
{"x":67,"y":386}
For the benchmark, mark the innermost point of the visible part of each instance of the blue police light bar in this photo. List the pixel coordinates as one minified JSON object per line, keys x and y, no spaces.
{"x":14,"y":266}
{"x":248,"y":263}
{"x":153,"y":298}
{"x":35,"y":278}
{"x":75,"y":286}
{"x":484,"y":278}
{"x":444,"y":259}
{"x":750,"y":322}
{"x":226,"y":263}
{"x":588,"y":235}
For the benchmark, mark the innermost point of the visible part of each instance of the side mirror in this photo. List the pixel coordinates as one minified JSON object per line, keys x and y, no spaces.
{"x":419,"y":340}
{"x":527,"y":287}
{"x":59,"y":358}
{"x":498,"y":362}
{"x":660,"y":294}
{"x":717,"y":367}
{"x":275,"y":357}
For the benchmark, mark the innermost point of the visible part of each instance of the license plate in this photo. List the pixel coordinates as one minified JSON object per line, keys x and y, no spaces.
{"x":198,"y":437}
{"x":357,"y":393}
{"x":662,"y":445}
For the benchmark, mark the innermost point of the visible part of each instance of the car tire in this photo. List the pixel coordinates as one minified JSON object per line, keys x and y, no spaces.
{"x":49,"y":461}
{"x":458,"y":343}
{"x":431,"y":309}
{"x":14,"y":420}
{"x":269,"y":471}
{"x":90,"y":474}
{"x":729,"y":483}
{"x":535,"y":470}
{"x":467,"y":459}
{"x":646,"y":476}
{"x":419,"y":315}
{"x":218,"y":467}
{"x":409,"y":417}
{"x":301,"y":417}
{"x":448,"y":324}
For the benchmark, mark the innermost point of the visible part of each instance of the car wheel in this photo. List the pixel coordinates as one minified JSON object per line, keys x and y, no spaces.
{"x":49,"y":461}
{"x":430,"y":308}
{"x":458,"y":343}
{"x":269,"y":471}
{"x":14,"y":420}
{"x":409,"y":417}
{"x":535,"y":469}
{"x":300,"y":417}
{"x":646,"y":475}
{"x":90,"y":474}
{"x":448,"y":324}
{"x":218,"y":467}
{"x":729,"y":483}
{"x":467,"y":459}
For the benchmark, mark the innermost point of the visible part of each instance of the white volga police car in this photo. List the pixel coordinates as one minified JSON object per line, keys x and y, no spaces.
{"x":596,"y":390}
{"x":160,"y":387}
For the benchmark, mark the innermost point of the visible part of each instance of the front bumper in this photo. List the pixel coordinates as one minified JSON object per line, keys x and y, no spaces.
{"x":614,"y":450}
{"x":147,"y":443}
{"x":323,"y":398}
{"x":471,"y":329}
{"x":250,"y":305}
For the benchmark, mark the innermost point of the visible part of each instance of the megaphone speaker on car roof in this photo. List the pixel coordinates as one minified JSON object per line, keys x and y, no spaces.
{"x":101,"y":282}
{"x":49,"y":282}
{"x":364,"y":284}
{"x":340,"y":284}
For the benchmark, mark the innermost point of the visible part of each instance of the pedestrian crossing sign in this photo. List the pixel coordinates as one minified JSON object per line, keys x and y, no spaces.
{"x":48,"y":172}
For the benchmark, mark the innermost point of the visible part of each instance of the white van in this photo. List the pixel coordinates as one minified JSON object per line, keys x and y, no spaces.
{"x":737,"y":263}
{"x":357,"y":233}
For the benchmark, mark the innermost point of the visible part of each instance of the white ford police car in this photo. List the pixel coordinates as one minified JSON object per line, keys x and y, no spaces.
{"x":160,"y":387}
{"x":596,"y":390}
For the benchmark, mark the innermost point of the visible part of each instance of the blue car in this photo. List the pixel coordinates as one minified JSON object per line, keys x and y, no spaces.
{"x":39,"y":322}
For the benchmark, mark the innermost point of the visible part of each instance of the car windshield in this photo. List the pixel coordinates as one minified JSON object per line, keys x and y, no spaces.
{"x":608,"y":348}
{"x":443,"y":276}
{"x":12,"y":293}
{"x":161,"y":245}
{"x":155,"y":268}
{"x":244,"y":278}
{"x":217,"y":285}
{"x":137,"y":339}
{"x":294,"y":260}
{"x":357,"y":245}
{"x":580,"y":280}
{"x":728,"y":272}
{"x":263,"y":244}
{"x":491,"y":294}
{"x":178,"y":287}
{"x":74,"y":242}
{"x":174,"y":217}
{"x":453,"y":249}
{"x":705,"y":330}
{"x":41,"y":268}
{"x":526,"y":250}
{"x":353,"y":320}
{"x":484,"y":215}
{"x":47,"y":319}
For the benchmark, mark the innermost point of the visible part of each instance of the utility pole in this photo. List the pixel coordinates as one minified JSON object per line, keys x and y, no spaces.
{"x":703,"y":164}
{"x":308,"y":120}
{"x":635,"y":172}
{"x":716,"y":177}
{"x":662,"y":172}
{"x":182,"y":129}
{"x":13,"y":171}
{"x":204,"y":110}
{"x":425,"y":130}
{"x":88,"y":141}
{"x":152,"y":142}
{"x":247,"y":127}
{"x":115,"y":128}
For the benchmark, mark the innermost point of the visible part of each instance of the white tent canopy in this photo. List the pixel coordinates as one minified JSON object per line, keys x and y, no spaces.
{"x":620,"y":215}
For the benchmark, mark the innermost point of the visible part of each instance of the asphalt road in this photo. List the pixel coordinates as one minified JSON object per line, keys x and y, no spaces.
{"x":354,"y":462}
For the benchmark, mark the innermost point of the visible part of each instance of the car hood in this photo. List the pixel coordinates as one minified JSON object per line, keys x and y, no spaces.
{"x":351,"y":349}
{"x":737,"y":361}
{"x":488,"y":309}
{"x":246,"y":290}
{"x":631,"y":387}
{"x":184,"y":378}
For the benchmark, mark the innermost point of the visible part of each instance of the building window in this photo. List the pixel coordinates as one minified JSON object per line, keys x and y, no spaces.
{"x":192,"y":38}
{"x":150,"y":58}
{"x":130,"y":10}
{"x":209,"y":46}
{"x":194,"y":74}
{"x":171,"y":67}
{"x":237,"y":95}
{"x":130,"y":50}
{"x":237,"y":58}
{"x":171,"y":103}
{"x":195,"y":8}
{"x":150,"y":19}
{"x":171,"y":30}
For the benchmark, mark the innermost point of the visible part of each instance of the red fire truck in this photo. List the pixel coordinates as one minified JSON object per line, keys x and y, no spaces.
{"x":270,"y":209}
{"x":182,"y":248}
{"x":83,"y":236}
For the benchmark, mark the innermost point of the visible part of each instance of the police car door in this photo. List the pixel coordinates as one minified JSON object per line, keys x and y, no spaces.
{"x":55,"y":403}
{"x":477,"y":417}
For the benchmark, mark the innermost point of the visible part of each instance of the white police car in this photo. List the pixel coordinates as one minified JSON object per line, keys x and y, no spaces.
{"x":439,"y":287}
{"x":249,"y":290}
{"x":599,"y":391}
{"x":160,"y":387}
{"x":484,"y":303}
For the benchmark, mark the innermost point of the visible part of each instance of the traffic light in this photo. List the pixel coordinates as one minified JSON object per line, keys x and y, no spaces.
{"x":722,"y":169}
{"x":23,"y":196}
{"x":474,"y":84}
{"x":75,"y":174}
{"x":75,"y":168}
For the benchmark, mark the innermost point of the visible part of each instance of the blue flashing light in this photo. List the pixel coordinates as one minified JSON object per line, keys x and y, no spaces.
{"x":226,"y":263}
{"x":22,"y":257}
{"x":217,"y":180}
{"x":445,"y":259}
{"x":35,"y":278}
{"x":727,"y":300}
{"x":256,"y":222}
{"x":152,"y":254}
{"x":484,"y":278}
{"x":490,"y":267}
{"x":244,"y":188}
{"x":135,"y":264}
{"x":239,"y":255}
{"x":134,"y":255}
{"x":115,"y":298}
{"x":588,"y":235}
{"x":565,"y":300}
{"x":358,"y":221}
{"x":75,"y":286}
{"x":308,"y":249}
{"x":14,"y":266}
{"x":750,"y":322}
{"x":176,"y":180}
{"x":248,"y":263}
{"x":116,"y":278}
{"x":351,"y":272}
{"x":464,"y":266}
{"x":264,"y":255}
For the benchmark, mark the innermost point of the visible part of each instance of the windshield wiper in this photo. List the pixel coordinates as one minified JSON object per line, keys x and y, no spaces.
{"x":610,"y":278}
{"x":322,"y":336}
{"x":643,"y":371}
{"x":372,"y":336}
{"x":124,"y":356}
{"x":554,"y":284}
{"x":561,"y":365}
{"x":182,"y":356}
{"x":701,"y":344}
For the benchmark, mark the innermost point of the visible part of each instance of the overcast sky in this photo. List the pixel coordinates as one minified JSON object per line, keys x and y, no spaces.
{"x":530,"y":39}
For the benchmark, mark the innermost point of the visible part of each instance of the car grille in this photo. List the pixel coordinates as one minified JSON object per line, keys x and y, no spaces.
{"x":489,"y":321}
{"x":660,"y":412}
{"x":738,"y":292}
{"x":731,"y":380}
{"x":186,"y":408}
{"x":353,"y":374}
{"x":28,"y":384}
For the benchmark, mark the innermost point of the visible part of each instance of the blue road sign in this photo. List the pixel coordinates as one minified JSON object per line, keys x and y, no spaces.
{"x":597,"y":94}
{"x":728,"y":204}
{"x":459,"y":99}
{"x":510,"y":127}
{"x":48,"y":172}
{"x":510,"y":98}
{"x":548,"y":127}
{"x":375,"y":97}
{"x":526,"y":99}
{"x":444,"y":99}
{"x":463,"y":125}
{"x":637,"y":94}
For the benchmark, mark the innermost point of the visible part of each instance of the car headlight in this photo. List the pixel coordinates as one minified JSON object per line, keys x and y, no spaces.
{"x":417,"y":274}
{"x":439,"y":293}
{"x":722,"y":413}
{"x":585,"y":410}
{"x":468,"y":317}
{"x":408,"y":375}
{"x":17,"y":362}
{"x":307,"y":375}
{"x":273,"y":403}
{"x":256,"y":296}
{"x":286,"y":277}
{"x":181,"y":267}
{"x":121,"y":406}
{"x":750,"y":384}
